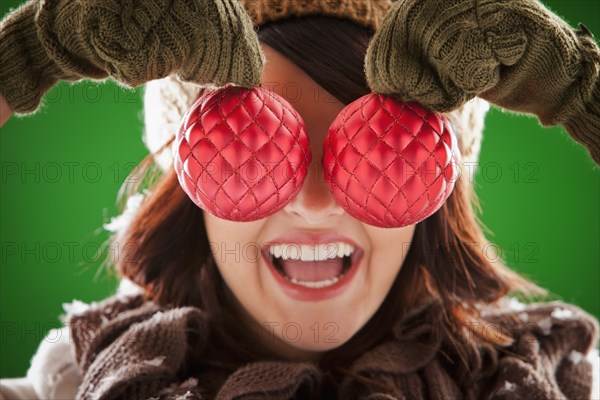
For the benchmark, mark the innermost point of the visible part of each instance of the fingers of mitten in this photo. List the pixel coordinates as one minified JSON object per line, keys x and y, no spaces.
{"x":124,"y":39}
{"x":413,"y":54}
{"x":468,"y":61}
{"x":137,"y":41}
{"x":468,"y":54}
{"x":27,"y":72}
{"x":58,"y":23}
{"x":503,"y":27}
{"x":225,"y":48}
{"x":514,"y":28}
{"x":550,"y":71}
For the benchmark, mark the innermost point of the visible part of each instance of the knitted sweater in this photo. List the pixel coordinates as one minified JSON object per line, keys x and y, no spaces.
{"x":126,"y":347}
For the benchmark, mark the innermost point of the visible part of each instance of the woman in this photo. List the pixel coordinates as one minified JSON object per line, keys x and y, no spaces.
{"x":423,"y":314}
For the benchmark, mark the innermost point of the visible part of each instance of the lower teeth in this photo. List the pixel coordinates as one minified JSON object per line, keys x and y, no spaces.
{"x":318,"y":284}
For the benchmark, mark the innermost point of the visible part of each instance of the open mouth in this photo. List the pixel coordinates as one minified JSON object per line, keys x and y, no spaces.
{"x":312,"y":266}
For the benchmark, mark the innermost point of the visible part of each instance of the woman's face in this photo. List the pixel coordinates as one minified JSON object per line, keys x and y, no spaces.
{"x":319,"y":310}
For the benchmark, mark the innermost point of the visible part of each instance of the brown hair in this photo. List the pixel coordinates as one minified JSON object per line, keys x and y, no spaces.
{"x":166,"y":250}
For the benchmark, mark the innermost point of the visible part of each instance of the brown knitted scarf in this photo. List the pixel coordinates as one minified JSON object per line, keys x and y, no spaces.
{"x":130,"y":348}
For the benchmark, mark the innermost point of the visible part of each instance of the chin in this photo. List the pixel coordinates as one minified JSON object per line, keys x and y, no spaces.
{"x":318,"y":332}
{"x":318,"y":347}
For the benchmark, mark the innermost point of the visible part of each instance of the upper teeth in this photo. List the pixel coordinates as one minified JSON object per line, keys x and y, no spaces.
{"x":320,"y":252}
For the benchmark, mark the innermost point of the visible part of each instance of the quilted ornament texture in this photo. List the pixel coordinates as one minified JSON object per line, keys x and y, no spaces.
{"x":388,"y":163}
{"x":241,"y":154}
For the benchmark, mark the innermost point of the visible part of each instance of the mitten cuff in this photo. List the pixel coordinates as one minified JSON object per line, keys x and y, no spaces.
{"x":585,"y":126}
{"x":27,"y":72}
{"x":583,"y":121}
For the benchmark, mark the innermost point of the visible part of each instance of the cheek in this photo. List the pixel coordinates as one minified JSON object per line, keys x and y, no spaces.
{"x":389,"y":249}
{"x":236,"y":250}
{"x":234,"y":245}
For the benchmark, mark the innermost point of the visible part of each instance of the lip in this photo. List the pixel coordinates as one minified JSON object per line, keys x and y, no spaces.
{"x":304,"y":293}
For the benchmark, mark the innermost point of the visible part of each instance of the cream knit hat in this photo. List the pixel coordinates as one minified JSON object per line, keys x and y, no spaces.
{"x":166,"y":100}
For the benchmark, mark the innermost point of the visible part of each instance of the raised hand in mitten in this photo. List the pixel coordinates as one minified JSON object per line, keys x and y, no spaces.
{"x":133,"y":41}
{"x":516,"y":54}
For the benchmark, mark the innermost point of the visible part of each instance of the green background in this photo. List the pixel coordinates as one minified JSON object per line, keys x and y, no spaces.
{"x":62,"y":167}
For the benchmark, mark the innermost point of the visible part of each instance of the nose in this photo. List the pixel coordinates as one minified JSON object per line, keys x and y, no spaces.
{"x":314,"y":204}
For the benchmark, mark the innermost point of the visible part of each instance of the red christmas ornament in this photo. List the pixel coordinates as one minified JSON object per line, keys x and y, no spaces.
{"x":390,"y":163}
{"x":241,"y":154}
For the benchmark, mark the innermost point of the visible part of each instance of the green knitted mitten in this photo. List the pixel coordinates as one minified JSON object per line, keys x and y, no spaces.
{"x":516,"y":54}
{"x":132,"y":41}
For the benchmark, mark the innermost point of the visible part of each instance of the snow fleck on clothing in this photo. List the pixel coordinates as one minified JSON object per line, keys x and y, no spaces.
{"x":156,"y":361}
{"x":575,"y":357}
{"x":560,"y":313}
